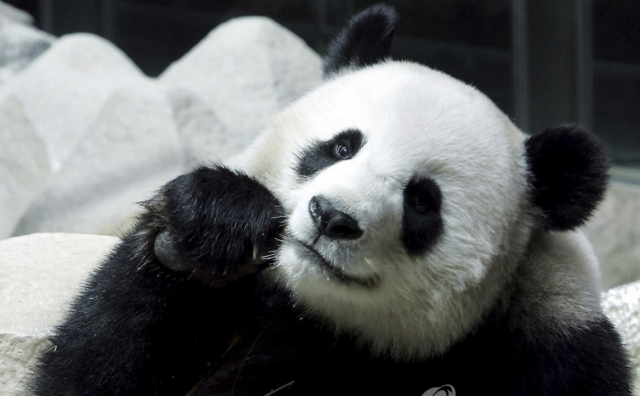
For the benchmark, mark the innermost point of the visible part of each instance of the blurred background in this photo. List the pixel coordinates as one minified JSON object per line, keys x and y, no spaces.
{"x":543,"y":62}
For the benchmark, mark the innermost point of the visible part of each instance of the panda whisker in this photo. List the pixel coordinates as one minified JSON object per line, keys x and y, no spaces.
{"x":246,"y":359}
{"x":278,"y":389}
{"x":368,"y":262}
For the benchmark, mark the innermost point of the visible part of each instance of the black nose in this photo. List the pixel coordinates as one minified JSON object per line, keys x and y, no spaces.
{"x":332,"y":222}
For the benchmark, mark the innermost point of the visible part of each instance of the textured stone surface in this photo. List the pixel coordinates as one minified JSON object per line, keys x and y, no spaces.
{"x":246,"y":70}
{"x":203,"y":136}
{"x":113,"y":136}
{"x":19,"y":45}
{"x":39,"y":275}
{"x":64,"y":89}
{"x":614,"y":232}
{"x":622,"y":305}
{"x":24,"y":166}
{"x":128,"y":152}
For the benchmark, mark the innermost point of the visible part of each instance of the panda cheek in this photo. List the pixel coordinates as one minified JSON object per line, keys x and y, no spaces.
{"x":300,"y":224}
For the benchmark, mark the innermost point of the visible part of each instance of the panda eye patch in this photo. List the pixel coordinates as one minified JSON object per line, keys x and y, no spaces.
{"x":323,"y":154}
{"x":422,"y":196}
{"x":421,"y":221}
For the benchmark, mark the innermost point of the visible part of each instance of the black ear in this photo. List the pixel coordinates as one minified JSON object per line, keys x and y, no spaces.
{"x":568,"y":173}
{"x":365,"y":40}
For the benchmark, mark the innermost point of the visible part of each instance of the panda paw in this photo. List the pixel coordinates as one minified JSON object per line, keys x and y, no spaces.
{"x":214,"y":223}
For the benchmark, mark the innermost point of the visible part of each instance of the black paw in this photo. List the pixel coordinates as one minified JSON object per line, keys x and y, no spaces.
{"x":215,"y":223}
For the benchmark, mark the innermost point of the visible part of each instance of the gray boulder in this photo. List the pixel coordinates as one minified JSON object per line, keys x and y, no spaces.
{"x":24,"y":165}
{"x":622,"y":306}
{"x":64,"y":89}
{"x":131,"y":148}
{"x":114,"y":136}
{"x":9,"y":13}
{"x":204,"y":138}
{"x":246,"y":70}
{"x":19,"y":46}
{"x":614,"y":232}
{"x":39,"y":275}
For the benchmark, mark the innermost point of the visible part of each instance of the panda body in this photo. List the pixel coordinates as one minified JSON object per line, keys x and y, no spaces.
{"x":390,"y":232}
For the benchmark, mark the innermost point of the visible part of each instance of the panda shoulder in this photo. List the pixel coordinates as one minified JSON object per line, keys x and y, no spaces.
{"x":557,"y":284}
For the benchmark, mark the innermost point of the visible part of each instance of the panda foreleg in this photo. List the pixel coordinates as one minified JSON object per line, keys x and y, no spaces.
{"x":586,"y":361}
{"x":144,"y":326}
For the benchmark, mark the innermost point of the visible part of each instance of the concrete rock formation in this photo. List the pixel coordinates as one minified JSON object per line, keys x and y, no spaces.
{"x":20,"y":43}
{"x":111,"y":135}
{"x":24,"y":163}
{"x":39,"y":275}
{"x":131,"y":148}
{"x":246,"y":70}
{"x":65,"y":88}
{"x":9,"y":13}
{"x":614,"y":232}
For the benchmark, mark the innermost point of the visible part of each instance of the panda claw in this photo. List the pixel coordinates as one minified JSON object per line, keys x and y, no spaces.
{"x":255,"y":252}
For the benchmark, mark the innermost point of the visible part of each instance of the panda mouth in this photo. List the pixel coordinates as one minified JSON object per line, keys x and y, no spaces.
{"x":335,"y":272}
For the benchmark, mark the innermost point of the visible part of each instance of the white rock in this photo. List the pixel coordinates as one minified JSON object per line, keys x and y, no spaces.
{"x":622,"y":306}
{"x":129,"y":151}
{"x":614,"y":232}
{"x":113,"y":136}
{"x":204,"y":137}
{"x":246,"y":70}
{"x":9,"y":13}
{"x":39,"y":275}
{"x":64,"y":89}
{"x":24,"y":166}
{"x":19,"y":46}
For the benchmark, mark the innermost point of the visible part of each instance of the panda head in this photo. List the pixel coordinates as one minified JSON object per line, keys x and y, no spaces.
{"x":410,"y":197}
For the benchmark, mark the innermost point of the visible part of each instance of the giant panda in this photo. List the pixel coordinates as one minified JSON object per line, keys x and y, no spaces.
{"x":390,"y":233}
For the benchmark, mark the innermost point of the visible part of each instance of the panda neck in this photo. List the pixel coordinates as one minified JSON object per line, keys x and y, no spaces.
{"x":404,"y":331}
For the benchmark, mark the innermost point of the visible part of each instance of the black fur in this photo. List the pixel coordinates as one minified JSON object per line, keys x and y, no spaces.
{"x":421,"y":218}
{"x":295,"y":353}
{"x":366,"y":40}
{"x":568,"y":171}
{"x":322,"y":155}
{"x":139,"y":328}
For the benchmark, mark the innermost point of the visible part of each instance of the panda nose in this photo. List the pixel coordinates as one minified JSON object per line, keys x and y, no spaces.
{"x":332,"y":222}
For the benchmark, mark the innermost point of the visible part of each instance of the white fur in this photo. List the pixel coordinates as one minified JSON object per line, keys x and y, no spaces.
{"x":415,"y":121}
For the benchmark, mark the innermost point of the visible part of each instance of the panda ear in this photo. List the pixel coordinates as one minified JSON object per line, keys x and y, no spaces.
{"x":568,"y":174}
{"x":365,"y":40}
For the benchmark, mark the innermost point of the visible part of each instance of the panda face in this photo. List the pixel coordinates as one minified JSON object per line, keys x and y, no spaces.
{"x":404,"y":190}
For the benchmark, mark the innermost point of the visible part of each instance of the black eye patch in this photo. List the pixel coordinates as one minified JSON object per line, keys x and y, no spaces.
{"x":321,"y":155}
{"x":421,"y":218}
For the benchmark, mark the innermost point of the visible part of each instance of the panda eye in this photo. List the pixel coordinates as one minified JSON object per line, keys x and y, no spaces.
{"x":320,"y":155}
{"x":342,"y":150}
{"x":423,"y":196}
{"x":418,"y":203}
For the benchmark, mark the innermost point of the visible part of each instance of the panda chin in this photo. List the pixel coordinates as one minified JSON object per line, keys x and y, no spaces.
{"x":334,"y":272}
